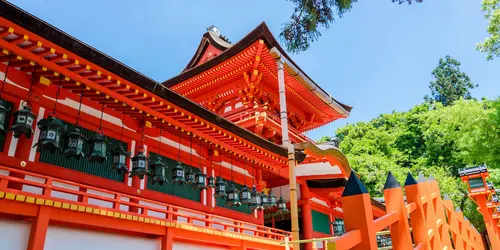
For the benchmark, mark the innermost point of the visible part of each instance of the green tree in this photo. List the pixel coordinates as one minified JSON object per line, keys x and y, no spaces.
{"x":311,"y":15}
{"x":450,"y":83}
{"x":491,"y":44}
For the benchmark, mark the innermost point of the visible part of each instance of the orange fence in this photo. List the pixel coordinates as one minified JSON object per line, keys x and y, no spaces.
{"x":434,"y":222}
{"x":43,"y":190}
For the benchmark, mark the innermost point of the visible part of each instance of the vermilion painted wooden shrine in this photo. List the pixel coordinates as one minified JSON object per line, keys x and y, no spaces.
{"x":95,"y":155}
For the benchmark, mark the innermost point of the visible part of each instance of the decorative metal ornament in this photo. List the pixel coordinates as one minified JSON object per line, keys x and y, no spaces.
{"x":75,"y":144}
{"x":3,"y":115}
{"x":120,"y":156}
{"x":233,"y":196}
{"x":190,"y":177}
{"x":256,"y":199}
{"x":265,"y":200}
{"x":23,"y":122}
{"x":178,"y":174}
{"x":139,"y":162}
{"x":200,"y":179}
{"x":158,"y":171}
{"x":246,"y":195}
{"x":51,"y":130}
{"x":272,"y":199}
{"x":211,"y":182}
{"x":220,"y":188}
{"x":282,"y":205}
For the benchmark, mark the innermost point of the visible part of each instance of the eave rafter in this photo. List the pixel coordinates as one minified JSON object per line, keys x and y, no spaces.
{"x":31,"y":49}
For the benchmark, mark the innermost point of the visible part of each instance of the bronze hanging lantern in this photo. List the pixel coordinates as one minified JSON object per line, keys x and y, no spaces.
{"x":99,"y":144}
{"x":282,"y":205}
{"x":158,"y":171}
{"x":158,"y":168}
{"x":233,"y":196}
{"x":51,"y":130}
{"x":120,"y":155}
{"x":256,"y":199}
{"x":200,"y":179}
{"x":139,"y":162}
{"x":220,"y":188}
{"x":246,"y":195}
{"x":178,"y":174}
{"x":271,"y":199}
{"x":3,"y":115}
{"x":75,"y":144}
{"x":211,"y":182}
{"x":76,"y":139}
{"x":98,"y":148}
{"x":23,"y":122}
{"x":265,"y":200}
{"x":190,"y":177}
{"x":3,"y":105}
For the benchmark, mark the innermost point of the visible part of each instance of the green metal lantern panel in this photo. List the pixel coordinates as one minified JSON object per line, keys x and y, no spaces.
{"x":83,"y":165}
{"x":183,"y":191}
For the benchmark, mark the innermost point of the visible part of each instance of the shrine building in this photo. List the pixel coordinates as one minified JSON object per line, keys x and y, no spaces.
{"x":95,"y":155}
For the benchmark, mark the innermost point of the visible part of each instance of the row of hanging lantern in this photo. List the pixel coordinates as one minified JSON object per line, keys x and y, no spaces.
{"x":52,"y":129}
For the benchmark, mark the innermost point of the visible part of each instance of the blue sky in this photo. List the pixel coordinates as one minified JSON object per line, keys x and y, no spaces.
{"x":378,"y":58}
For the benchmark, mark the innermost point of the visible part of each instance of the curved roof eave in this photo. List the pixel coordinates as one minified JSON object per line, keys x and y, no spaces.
{"x":260,"y":32}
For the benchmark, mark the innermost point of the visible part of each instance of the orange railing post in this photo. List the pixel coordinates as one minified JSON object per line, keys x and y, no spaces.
{"x":442,"y":227}
{"x":454,"y":224}
{"x":417,"y":217}
{"x":432,"y":222}
{"x":358,"y":215}
{"x":394,"y":203}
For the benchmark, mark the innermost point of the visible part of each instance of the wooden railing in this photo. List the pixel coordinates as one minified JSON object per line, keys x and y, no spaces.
{"x":425,"y":221}
{"x":43,"y":190}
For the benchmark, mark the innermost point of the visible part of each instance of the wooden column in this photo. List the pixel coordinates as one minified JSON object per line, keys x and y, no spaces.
{"x":307,"y":225}
{"x":358,"y":213}
{"x":394,"y":203}
{"x":39,"y":228}
{"x":167,"y":241}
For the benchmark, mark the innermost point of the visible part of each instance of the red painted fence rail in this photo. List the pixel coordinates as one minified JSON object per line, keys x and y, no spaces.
{"x":80,"y":197}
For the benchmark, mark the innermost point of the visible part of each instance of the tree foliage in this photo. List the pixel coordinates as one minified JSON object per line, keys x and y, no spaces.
{"x":311,"y":15}
{"x":491,"y":44}
{"x":430,"y":139}
{"x":450,"y":82}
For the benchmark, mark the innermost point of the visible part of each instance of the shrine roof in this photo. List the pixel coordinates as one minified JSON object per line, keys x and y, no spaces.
{"x":303,"y":88}
{"x":62,"y":39}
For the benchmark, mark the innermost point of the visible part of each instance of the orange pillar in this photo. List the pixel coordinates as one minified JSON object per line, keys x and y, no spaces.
{"x":491,"y":227}
{"x":417,"y":218}
{"x":394,"y":202}
{"x":307,"y":225}
{"x":167,"y":241}
{"x":39,"y":228}
{"x":358,"y":214}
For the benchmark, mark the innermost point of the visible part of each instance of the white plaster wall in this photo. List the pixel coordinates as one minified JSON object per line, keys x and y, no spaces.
{"x":63,"y":238}
{"x":14,"y":234}
{"x":191,"y":246}
{"x":285,"y":191}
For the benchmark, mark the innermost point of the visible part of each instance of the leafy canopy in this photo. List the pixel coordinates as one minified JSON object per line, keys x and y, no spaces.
{"x":311,"y":15}
{"x":450,"y":83}
{"x":491,"y":44}
{"x":430,"y":138}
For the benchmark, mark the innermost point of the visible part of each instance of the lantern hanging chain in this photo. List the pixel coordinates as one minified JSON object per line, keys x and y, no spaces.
{"x":123,"y":127}
{"x":159,"y":139}
{"x":199,"y":155}
{"x":6,"y":72}
{"x":57,"y":96}
{"x":142,"y":132}
{"x":80,"y":106}
{"x":231,"y":159}
{"x":179,"y":152}
{"x":30,"y":93}
{"x":102,"y":115}
{"x":191,"y":151}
